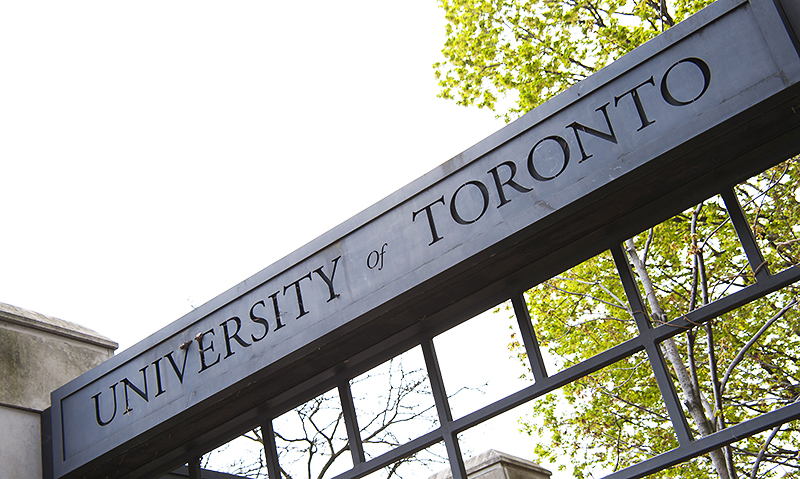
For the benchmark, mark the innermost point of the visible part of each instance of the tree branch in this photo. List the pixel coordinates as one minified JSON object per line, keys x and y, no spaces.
{"x":692,"y":397}
{"x":752,"y":341}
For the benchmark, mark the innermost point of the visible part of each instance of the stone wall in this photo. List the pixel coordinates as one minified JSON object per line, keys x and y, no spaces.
{"x":38,"y":354}
{"x":498,"y":465}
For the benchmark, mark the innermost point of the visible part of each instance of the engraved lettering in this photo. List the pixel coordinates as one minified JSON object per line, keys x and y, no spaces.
{"x":259,"y":320}
{"x":113,"y":389}
{"x":158,"y":377}
{"x":172,"y":363}
{"x":634,"y":92}
{"x":429,"y":214}
{"x":610,"y":136}
{"x":562,"y":143}
{"x":378,"y":258}
{"x":203,"y":365}
{"x":509,"y":182}
{"x":329,"y":281}
{"x":142,"y":394}
{"x":297,"y":291}
{"x":274,"y":297}
{"x":234,"y":336}
{"x":484,"y":194}
{"x":704,"y":69}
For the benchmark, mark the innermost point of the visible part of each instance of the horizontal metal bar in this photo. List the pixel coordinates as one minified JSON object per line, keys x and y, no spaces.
{"x":408,"y":449}
{"x":593,"y":364}
{"x":610,"y":356}
{"x":724,"y":305}
{"x":711,"y":442}
{"x":549,"y":384}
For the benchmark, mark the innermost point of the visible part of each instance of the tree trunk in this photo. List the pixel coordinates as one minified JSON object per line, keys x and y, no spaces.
{"x":692,"y":398}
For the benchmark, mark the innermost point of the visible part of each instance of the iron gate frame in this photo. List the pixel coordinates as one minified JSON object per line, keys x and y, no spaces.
{"x":647,"y":340}
{"x":775,"y":118}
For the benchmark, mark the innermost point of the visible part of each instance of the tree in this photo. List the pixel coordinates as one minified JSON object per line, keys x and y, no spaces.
{"x":734,"y":368}
{"x":312,"y":442}
{"x":738,"y":366}
{"x":533,"y":49}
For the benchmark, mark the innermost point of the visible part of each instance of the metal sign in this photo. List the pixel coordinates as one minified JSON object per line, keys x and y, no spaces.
{"x":665,"y":107}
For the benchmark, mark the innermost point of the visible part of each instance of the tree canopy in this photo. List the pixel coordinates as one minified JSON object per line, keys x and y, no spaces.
{"x":512,"y":55}
{"x":741,"y":365}
{"x":526,"y":51}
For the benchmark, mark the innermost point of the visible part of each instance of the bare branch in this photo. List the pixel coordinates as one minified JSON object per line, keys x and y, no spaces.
{"x":752,"y":341}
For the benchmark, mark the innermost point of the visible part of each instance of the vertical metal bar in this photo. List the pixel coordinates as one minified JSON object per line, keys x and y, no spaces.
{"x":631,"y":289}
{"x":654,"y":355}
{"x":270,"y":450}
{"x":529,"y":337}
{"x":194,"y":469}
{"x":745,"y":234}
{"x":457,"y":468}
{"x":351,"y":423}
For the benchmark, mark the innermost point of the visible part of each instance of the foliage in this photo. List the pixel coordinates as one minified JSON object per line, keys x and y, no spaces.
{"x":512,"y":55}
{"x":533,"y":49}
{"x":742,"y":364}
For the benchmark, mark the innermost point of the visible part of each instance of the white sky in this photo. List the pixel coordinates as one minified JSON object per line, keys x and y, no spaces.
{"x":155,"y":154}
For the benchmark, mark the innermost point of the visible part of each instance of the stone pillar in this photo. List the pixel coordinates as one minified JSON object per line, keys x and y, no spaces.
{"x":498,"y":465}
{"x":38,"y":354}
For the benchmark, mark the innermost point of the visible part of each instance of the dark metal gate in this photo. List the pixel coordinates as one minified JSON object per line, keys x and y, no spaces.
{"x":565,"y":183}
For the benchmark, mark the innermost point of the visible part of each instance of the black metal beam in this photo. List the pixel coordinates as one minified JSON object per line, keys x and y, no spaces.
{"x":653,"y":350}
{"x":443,"y":409}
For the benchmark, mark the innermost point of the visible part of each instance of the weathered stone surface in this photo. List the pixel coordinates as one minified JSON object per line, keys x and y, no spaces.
{"x":20,"y":444}
{"x":498,"y":465}
{"x":39,"y":354}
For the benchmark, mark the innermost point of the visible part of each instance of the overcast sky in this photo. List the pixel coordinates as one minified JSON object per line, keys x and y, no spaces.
{"x":155,"y":154}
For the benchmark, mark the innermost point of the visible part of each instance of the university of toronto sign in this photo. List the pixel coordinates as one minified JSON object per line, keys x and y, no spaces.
{"x":648,"y":112}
